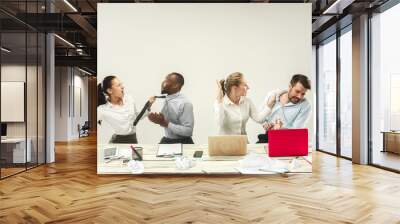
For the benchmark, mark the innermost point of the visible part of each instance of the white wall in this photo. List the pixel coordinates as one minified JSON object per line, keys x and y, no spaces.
{"x":141,"y":43}
{"x":17,"y":73}
{"x":80,"y":102}
{"x":33,"y":127}
{"x":61,"y":103}
{"x":68,"y":83}
{"x":13,"y":99}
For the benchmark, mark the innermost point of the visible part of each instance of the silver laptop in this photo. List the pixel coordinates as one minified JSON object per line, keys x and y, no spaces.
{"x":110,"y":153}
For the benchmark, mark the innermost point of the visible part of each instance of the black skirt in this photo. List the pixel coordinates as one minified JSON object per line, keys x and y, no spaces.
{"x":186,"y":140}
{"x":124,"y":139}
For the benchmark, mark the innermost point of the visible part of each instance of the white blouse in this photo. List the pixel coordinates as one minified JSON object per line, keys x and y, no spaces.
{"x":232,"y":118}
{"x":119,"y":117}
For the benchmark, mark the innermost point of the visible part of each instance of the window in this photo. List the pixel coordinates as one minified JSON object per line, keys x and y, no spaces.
{"x":346,"y":93}
{"x":385,"y":85}
{"x":327,"y":96}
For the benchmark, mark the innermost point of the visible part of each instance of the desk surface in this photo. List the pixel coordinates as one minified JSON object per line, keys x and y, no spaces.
{"x":205,"y":165}
{"x":13,"y":140}
{"x":391,"y":132}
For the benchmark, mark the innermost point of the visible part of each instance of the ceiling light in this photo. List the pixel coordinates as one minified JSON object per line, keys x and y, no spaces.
{"x":84,"y":71}
{"x":5,"y":50}
{"x":64,"y":40}
{"x":70,"y":5}
{"x":332,"y":8}
{"x":338,"y":6}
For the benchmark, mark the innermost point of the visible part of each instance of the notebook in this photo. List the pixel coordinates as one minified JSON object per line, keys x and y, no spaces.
{"x":227,"y":145}
{"x":169,"y":150}
{"x":288,"y":142}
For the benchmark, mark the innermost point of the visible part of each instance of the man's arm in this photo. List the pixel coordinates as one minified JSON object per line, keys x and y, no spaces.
{"x":273,"y":93}
{"x":186,"y":120}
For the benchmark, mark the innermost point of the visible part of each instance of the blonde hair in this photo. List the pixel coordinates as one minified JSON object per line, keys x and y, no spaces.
{"x":233,"y":79}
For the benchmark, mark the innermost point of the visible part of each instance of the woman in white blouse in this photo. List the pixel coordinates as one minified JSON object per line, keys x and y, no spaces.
{"x":233,"y":109}
{"x":118,"y":110}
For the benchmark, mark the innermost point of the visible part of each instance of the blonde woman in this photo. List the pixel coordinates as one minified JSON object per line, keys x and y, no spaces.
{"x":233,"y":109}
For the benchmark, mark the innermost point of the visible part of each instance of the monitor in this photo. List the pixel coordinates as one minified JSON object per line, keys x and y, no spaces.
{"x":3,"y":129}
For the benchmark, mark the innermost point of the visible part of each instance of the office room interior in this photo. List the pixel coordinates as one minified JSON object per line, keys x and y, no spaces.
{"x":68,"y":156}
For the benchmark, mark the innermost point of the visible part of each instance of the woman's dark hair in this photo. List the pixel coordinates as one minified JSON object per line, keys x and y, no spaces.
{"x":102,"y":89}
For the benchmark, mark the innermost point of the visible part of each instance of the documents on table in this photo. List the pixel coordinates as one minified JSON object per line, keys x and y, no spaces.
{"x":255,"y":164}
{"x":165,"y":159}
{"x":169,"y":150}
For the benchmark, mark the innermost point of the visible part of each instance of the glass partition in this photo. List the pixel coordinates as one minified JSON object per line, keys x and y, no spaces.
{"x":22,"y":79}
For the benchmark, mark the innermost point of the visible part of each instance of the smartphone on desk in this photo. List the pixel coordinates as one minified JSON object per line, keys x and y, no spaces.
{"x":198,"y":154}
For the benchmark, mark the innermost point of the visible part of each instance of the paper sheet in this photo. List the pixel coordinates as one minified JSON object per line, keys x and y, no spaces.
{"x":169,"y":149}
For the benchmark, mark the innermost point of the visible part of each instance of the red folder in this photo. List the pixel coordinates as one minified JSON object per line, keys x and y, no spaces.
{"x":288,"y":142}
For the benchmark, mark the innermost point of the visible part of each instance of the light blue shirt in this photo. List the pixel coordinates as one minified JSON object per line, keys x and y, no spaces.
{"x":292,"y":115}
{"x":178,"y":110}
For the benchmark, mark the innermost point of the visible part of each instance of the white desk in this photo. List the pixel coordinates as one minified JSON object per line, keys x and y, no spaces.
{"x":204,"y":165}
{"x":391,"y":141}
{"x":18,"y":150}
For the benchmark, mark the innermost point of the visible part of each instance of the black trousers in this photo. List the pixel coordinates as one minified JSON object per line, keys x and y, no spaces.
{"x":124,"y":139}
{"x":187,"y":140}
{"x":262,"y":138}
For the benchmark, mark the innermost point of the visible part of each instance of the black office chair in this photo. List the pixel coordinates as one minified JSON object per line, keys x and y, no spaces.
{"x":84,"y":130}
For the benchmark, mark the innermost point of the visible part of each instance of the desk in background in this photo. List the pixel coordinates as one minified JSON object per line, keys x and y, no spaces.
{"x":391,"y":141}
{"x":13,"y":150}
{"x":204,"y":165}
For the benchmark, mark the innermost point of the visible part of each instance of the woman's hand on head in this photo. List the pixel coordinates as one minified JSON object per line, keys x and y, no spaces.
{"x":220,"y":92}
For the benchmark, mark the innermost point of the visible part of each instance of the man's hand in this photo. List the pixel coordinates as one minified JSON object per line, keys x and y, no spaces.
{"x":278,"y":124}
{"x":153,"y":117}
{"x":268,"y":126}
{"x":163,"y":122}
{"x":158,"y":118}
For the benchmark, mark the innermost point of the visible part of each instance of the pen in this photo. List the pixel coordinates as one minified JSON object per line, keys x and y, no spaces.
{"x":138,"y":155}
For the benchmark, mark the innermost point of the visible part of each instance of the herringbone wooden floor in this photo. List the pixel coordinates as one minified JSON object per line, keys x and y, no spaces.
{"x":70,"y":191}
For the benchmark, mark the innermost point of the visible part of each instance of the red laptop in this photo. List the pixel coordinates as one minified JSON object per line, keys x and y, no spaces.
{"x":288,"y":142}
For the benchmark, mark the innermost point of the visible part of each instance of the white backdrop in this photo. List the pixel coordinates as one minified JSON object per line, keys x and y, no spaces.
{"x":142,"y":43}
{"x":12,"y":100}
